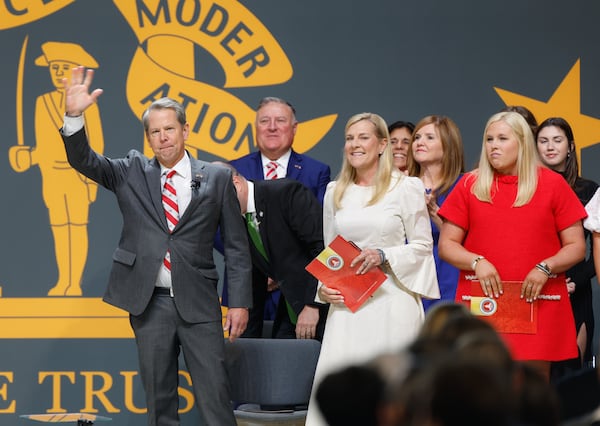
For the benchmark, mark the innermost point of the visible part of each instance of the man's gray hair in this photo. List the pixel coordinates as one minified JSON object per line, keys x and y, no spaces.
{"x":272,"y":99}
{"x":164,"y":103}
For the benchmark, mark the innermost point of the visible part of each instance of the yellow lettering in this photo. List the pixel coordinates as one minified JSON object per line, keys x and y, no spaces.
{"x":90,"y":392}
{"x":56,"y":387}
{"x":128,"y":392}
{"x":186,"y":394}
{"x":4,"y":392}
{"x":97,"y":384}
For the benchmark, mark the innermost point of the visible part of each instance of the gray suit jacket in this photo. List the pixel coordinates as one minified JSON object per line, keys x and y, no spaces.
{"x":145,"y":236}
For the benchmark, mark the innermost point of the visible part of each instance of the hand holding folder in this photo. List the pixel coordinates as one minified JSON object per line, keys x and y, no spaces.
{"x":507,"y":313}
{"x":332,"y":268}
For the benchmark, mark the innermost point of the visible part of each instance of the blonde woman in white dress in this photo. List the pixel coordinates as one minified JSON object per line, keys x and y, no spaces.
{"x":383,"y":212}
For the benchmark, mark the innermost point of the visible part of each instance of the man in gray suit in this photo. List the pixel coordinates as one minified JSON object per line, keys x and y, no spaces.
{"x":166,"y":278}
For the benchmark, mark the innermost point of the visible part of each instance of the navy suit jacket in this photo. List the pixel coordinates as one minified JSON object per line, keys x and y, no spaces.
{"x":311,"y":173}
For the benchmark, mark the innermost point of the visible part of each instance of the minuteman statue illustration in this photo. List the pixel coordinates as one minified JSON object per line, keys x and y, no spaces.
{"x":66,"y":193}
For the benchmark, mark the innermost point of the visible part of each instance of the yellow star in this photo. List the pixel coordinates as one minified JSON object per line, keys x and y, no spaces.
{"x":565,"y":103}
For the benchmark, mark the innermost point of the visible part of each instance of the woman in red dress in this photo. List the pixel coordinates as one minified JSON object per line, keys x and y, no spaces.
{"x":515,"y":220}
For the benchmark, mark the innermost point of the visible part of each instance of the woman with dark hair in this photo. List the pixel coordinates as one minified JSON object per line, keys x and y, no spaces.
{"x":437,"y":157}
{"x":556,"y":148}
{"x":400,"y":137}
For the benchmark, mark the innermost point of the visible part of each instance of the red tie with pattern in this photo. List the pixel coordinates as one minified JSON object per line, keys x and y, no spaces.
{"x":169,"y":200}
{"x":271,"y":170}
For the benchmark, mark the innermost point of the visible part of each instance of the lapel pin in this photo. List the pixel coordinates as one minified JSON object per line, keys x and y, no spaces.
{"x":196,"y":181}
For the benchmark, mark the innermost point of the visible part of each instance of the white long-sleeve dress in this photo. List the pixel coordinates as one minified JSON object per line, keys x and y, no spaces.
{"x":399,"y":224}
{"x":592,"y":208}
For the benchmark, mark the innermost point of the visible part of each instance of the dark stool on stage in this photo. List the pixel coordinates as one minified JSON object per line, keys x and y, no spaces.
{"x":271,"y":379}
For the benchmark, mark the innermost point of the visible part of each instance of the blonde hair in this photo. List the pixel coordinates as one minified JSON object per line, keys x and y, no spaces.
{"x":527,"y":161}
{"x":385,"y":165}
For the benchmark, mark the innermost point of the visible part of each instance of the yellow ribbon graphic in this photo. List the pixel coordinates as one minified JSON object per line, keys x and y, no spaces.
{"x":16,"y":13}
{"x":249,"y":55}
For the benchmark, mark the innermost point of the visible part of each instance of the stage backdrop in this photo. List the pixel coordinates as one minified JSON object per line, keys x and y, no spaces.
{"x":61,"y":348}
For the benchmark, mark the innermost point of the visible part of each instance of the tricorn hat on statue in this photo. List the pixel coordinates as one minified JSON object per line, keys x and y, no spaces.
{"x":67,"y":52}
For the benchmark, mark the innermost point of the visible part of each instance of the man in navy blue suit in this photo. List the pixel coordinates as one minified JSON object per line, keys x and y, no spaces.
{"x":276,"y":127}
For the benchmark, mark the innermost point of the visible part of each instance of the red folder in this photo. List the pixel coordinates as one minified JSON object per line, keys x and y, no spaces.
{"x":332,"y":268}
{"x":507,"y":313}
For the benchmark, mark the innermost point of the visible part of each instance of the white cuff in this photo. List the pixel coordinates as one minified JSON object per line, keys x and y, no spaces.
{"x":72,"y":125}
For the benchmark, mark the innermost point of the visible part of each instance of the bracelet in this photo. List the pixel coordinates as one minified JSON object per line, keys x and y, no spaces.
{"x":381,"y":255}
{"x":475,"y":261}
{"x":543,"y":266}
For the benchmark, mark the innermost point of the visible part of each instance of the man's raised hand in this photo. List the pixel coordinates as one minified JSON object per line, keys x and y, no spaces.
{"x":77,"y":91}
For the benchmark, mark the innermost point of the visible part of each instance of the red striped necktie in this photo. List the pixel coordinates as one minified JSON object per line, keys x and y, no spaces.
{"x":169,"y":201}
{"x":271,"y":170}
